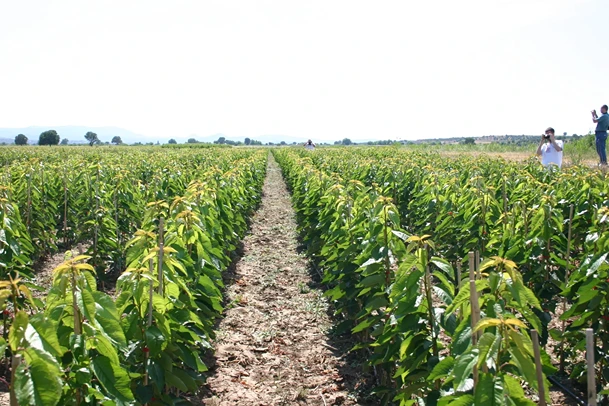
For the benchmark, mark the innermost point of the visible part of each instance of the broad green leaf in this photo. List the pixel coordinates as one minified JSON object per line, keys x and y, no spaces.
{"x":107,"y":316}
{"x":113,"y":378}
{"x":463,"y":400}
{"x":464,"y":366}
{"x":16,"y":333}
{"x":489,"y":390}
{"x":442,"y":369}
{"x":488,"y":345}
{"x":41,"y":333}
{"x":37,"y":381}
{"x":155,"y":340}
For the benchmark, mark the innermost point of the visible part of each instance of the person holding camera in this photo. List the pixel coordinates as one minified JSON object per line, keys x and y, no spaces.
{"x":602,"y":124}
{"x":309,"y":145}
{"x":550,"y":149}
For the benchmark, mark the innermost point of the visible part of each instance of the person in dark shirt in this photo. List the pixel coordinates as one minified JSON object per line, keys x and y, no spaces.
{"x":602,"y":124}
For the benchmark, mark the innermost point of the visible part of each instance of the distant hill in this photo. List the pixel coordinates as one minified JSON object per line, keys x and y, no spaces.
{"x":76,"y":134}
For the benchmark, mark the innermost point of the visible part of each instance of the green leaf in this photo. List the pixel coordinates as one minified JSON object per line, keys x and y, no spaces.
{"x":372,"y":280}
{"x":157,"y":373}
{"x":463,"y":400}
{"x":173,"y":380}
{"x":39,"y":382}
{"x":513,"y":386}
{"x":522,"y":359}
{"x":464,"y":367}
{"x":104,"y":346}
{"x":183,"y":376}
{"x":3,"y":345}
{"x":107,"y":316}
{"x":442,"y":369}
{"x":489,"y":390}
{"x":17,"y":332}
{"x":41,"y":333}
{"x":488,"y":345}
{"x":113,"y":378}
{"x":155,"y":340}
{"x":368,"y":321}
{"x":86,"y":304}
{"x":447,"y":270}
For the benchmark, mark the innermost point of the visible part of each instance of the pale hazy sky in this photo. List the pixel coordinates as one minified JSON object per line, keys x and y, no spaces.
{"x":314,"y":69}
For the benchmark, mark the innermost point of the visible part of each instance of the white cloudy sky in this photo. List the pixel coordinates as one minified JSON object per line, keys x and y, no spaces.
{"x":317,"y":69}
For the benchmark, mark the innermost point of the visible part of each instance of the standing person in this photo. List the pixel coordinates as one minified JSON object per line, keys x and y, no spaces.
{"x":602,"y":124}
{"x":550,"y":149}
{"x":309,"y":145}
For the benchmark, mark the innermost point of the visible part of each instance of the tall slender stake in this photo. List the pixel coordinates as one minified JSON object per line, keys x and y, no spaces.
{"x":472,"y":267}
{"x":29,"y":202}
{"x":16,"y":360}
{"x":432,"y":322}
{"x":505,"y":203}
{"x":151,"y":292}
{"x":591,"y":370}
{"x":65,"y":208}
{"x":458,"y":278}
{"x":77,"y":320}
{"x":473,"y":297}
{"x":538,"y":368}
{"x":564,"y":299}
{"x":161,"y":247}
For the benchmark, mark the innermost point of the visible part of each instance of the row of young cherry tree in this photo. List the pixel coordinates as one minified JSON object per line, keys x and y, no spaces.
{"x":393,"y":230}
{"x":165,"y":222}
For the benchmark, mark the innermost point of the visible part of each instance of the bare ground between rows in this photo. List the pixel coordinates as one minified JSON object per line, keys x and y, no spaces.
{"x":272,"y":346}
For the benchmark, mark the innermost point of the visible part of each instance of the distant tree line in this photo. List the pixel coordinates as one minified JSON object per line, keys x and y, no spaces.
{"x":50,"y":138}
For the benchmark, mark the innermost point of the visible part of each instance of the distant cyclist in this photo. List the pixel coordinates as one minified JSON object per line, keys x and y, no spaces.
{"x":309,"y":145}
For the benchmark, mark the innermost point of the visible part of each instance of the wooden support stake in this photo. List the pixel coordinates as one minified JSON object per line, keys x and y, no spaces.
{"x":505,"y":200}
{"x":564,"y":299}
{"x":460,"y":283}
{"x":161,"y":246}
{"x":432,"y":323}
{"x":475,"y":317}
{"x":65,"y":209}
{"x":16,"y":360}
{"x":472,"y":266}
{"x":473,"y":298}
{"x":591,"y":370}
{"x":151,"y":269}
{"x":151,"y":292}
{"x":475,"y":305}
{"x":538,"y":368}
{"x":568,"y":257}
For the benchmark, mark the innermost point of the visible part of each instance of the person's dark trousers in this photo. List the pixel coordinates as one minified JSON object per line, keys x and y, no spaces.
{"x":601,"y":142}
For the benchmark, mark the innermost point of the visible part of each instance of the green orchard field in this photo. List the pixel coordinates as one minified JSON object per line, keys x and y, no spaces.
{"x":438,"y":268}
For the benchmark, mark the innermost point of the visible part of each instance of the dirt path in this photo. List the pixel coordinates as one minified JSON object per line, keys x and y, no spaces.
{"x":271,"y":346}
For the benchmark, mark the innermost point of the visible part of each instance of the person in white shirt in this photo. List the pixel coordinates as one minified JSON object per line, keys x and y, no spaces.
{"x":550,"y":149}
{"x":309,"y":145}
